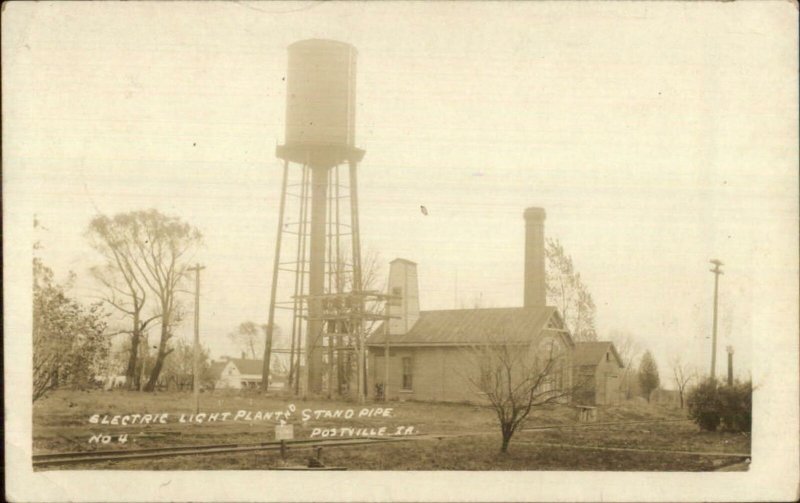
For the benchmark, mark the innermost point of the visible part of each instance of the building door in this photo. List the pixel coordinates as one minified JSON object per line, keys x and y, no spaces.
{"x":612,"y":390}
{"x":601,"y":390}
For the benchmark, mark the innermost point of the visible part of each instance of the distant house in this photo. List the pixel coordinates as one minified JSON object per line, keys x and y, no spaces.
{"x":241,"y":373}
{"x":429,"y":351}
{"x":597,"y":373}
{"x":236,"y":373}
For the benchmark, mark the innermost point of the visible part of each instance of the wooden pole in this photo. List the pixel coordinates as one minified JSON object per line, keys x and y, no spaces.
{"x":716,"y":270}
{"x":386,"y":355}
{"x":730,"y":365}
{"x":196,"y":350}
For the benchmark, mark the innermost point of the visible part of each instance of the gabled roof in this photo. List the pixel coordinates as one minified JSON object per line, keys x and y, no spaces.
{"x":245,"y":365}
{"x":471,"y":326}
{"x":591,"y":353}
{"x":217,"y":368}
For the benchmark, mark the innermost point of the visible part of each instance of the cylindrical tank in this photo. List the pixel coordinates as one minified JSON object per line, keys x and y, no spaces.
{"x":321,"y":93}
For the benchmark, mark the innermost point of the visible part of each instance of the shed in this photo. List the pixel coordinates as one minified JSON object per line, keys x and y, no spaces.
{"x":597,"y":367}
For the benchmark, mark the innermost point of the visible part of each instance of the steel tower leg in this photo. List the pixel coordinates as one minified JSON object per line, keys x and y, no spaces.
{"x":356,"y":324}
{"x":273,"y":291}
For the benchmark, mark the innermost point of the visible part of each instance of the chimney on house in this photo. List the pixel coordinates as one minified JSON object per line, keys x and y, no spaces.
{"x":243,"y":355}
{"x":404,"y":311}
{"x":535,"y":286}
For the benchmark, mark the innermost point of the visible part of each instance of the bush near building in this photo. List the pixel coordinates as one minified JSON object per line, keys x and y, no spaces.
{"x":712,"y":405}
{"x":737,"y":406}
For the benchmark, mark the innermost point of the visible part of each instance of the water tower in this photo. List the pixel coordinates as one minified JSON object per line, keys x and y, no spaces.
{"x":327,"y":303}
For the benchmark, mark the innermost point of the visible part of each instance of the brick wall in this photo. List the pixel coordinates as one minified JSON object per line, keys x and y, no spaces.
{"x":438,"y":374}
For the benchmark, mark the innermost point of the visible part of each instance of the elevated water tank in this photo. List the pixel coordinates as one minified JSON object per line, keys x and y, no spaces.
{"x":321,"y":94}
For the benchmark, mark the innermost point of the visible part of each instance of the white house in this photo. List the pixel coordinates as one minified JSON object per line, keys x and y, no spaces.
{"x":236,"y":373}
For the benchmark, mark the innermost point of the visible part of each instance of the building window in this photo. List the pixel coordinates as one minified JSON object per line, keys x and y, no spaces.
{"x":608,"y":357}
{"x":407,"y":381}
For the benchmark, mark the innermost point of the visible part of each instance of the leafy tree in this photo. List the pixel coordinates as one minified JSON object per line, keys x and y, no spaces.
{"x":516,"y":378}
{"x":648,"y":374}
{"x":566,"y":291}
{"x":155,"y":252}
{"x":70,"y":346}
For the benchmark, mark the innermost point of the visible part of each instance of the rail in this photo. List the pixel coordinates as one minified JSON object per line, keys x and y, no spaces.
{"x":66,"y":458}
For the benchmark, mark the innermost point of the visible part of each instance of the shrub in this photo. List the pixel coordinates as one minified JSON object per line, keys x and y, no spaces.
{"x":704,"y":405}
{"x":736,"y":412}
{"x":711,"y":405}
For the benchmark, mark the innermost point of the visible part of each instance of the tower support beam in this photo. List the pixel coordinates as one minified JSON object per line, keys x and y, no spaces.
{"x":316,"y":276}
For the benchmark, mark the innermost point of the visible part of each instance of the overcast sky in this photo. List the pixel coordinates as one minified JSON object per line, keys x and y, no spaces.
{"x":654,"y":139}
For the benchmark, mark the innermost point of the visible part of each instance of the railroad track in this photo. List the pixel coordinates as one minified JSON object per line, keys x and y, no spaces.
{"x":68,"y":458}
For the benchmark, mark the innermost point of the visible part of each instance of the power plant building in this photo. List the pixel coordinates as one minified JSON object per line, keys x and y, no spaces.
{"x":430,"y":353}
{"x":414,"y":354}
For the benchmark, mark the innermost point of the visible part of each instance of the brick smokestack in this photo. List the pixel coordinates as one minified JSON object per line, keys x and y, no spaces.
{"x":535,"y":286}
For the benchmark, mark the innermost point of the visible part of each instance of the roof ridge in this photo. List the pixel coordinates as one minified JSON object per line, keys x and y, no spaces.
{"x":485,"y":309}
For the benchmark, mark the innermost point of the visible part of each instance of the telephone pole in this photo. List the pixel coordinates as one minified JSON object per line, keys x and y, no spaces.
{"x":730,"y":365}
{"x":717,"y":271}
{"x":196,"y":351}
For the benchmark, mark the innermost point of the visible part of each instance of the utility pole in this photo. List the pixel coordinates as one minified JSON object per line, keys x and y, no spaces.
{"x":717,"y":271}
{"x":386,"y":354}
{"x":730,"y":365}
{"x":196,"y":351}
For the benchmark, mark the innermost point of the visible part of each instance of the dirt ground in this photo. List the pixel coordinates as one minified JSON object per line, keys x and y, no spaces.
{"x":464,"y":437}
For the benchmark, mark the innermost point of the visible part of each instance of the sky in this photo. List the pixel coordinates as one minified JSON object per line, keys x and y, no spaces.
{"x":654,"y":139}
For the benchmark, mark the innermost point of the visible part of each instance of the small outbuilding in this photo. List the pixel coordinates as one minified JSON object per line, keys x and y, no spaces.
{"x":597,"y":367}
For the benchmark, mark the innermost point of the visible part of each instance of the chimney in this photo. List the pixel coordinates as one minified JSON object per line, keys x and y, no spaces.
{"x":535,"y":288}
{"x":403,"y":283}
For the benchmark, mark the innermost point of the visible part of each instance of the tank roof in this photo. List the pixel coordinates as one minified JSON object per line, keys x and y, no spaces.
{"x":398,"y":259}
{"x":321,"y":42}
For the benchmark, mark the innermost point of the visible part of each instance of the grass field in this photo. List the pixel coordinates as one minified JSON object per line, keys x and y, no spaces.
{"x":465,"y":437}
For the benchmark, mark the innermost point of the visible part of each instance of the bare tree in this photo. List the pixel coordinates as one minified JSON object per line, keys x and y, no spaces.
{"x":124,"y":288}
{"x":629,"y":350}
{"x":683,"y":374}
{"x":247,"y":337}
{"x":566,"y":291}
{"x":517,"y":377}
{"x":160,"y":249}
